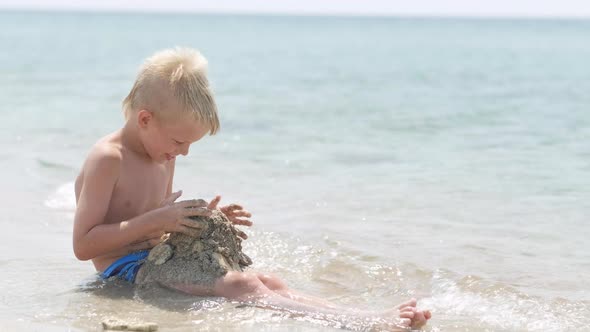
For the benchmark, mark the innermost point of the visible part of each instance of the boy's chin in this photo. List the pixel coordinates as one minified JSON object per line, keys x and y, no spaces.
{"x":167,"y":158}
{"x":161,"y":159}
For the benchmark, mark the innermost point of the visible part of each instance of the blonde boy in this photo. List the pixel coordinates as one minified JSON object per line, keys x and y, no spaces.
{"x":124,"y":192}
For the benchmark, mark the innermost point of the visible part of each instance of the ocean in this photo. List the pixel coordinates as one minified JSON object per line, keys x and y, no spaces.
{"x":383,"y":158}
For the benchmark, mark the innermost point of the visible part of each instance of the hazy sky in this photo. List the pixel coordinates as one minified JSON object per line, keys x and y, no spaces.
{"x":575,"y":8}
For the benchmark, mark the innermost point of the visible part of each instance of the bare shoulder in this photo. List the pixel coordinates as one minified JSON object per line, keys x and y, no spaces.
{"x":105,"y":152}
{"x":103,"y":160}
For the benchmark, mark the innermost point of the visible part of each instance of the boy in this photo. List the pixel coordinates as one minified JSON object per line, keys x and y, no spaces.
{"x":124,"y":192}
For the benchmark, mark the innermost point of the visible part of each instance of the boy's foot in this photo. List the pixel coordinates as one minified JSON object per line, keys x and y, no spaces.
{"x":418,"y":317}
{"x":409,"y":316}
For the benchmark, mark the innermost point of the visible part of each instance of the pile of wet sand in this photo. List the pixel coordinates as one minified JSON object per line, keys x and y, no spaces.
{"x":200,"y":258}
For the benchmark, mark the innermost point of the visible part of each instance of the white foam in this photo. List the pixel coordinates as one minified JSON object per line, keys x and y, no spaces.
{"x":63,"y":198}
{"x":504,"y":310}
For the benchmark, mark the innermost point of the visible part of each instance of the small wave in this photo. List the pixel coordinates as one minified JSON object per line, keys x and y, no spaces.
{"x":52,"y":165}
{"x":282,"y":254}
{"x":63,"y":198}
{"x":501,"y":307}
{"x":351,"y":278}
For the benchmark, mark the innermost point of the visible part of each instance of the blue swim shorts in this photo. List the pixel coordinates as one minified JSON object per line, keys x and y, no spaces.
{"x":126,"y":267}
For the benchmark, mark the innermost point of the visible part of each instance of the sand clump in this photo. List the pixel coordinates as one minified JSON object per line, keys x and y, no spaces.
{"x":200,"y":258}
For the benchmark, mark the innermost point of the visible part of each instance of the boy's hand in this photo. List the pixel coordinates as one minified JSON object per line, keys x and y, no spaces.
{"x":234,"y":212}
{"x":175,"y":215}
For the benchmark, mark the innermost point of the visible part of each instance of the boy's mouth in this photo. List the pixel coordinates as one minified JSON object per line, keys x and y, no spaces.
{"x":169,"y":157}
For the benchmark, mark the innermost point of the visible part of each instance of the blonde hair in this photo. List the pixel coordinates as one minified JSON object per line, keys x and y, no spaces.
{"x":178,"y":75}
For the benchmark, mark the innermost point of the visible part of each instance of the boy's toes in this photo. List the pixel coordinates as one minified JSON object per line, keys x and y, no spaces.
{"x":404,"y":309}
{"x":427,"y":314}
{"x":407,"y":314}
{"x":419,"y":319}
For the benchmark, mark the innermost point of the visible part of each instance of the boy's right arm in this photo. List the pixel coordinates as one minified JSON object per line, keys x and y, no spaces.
{"x":92,"y":237}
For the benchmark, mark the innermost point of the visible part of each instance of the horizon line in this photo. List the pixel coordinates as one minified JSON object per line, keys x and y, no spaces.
{"x":292,"y":13}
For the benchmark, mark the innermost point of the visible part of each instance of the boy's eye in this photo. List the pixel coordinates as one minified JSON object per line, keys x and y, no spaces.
{"x":177,"y":142}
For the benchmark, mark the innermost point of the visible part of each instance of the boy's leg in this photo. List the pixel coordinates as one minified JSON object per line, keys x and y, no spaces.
{"x":280,"y":287}
{"x":248,"y":287}
{"x":404,"y":310}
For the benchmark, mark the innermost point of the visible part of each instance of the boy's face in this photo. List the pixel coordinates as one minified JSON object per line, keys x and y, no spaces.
{"x":164,"y":139}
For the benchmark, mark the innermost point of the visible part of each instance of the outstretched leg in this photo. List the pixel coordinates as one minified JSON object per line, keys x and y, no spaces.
{"x":280,"y":287}
{"x":270,"y":292}
{"x":405,"y":310}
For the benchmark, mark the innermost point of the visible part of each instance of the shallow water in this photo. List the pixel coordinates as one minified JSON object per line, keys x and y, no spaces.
{"x":383,"y":159}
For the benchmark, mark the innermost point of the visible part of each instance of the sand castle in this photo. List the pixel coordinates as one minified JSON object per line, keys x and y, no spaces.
{"x":200,"y":258}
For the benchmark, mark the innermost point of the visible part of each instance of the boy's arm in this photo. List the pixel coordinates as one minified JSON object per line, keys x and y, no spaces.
{"x":91,"y":236}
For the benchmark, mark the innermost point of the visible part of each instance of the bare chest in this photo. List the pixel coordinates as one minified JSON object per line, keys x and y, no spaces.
{"x":140,"y":188}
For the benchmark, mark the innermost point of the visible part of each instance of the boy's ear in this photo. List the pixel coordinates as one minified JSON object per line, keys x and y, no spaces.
{"x":144,"y":117}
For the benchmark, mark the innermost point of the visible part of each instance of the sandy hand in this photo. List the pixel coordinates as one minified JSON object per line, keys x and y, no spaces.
{"x":175,"y":216}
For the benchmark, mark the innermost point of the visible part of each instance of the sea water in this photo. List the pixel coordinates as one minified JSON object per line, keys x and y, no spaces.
{"x":382,"y":159}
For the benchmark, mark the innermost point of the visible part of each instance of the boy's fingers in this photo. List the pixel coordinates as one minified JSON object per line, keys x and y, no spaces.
{"x":242,"y":235}
{"x":196,"y":212}
{"x":191,"y":223}
{"x":213,"y":204}
{"x":170,"y":199}
{"x":175,"y":195}
{"x":190,"y":231}
{"x":193,"y":203}
{"x":244,"y":222}
{"x":242,"y":213}
{"x":232,"y":207}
